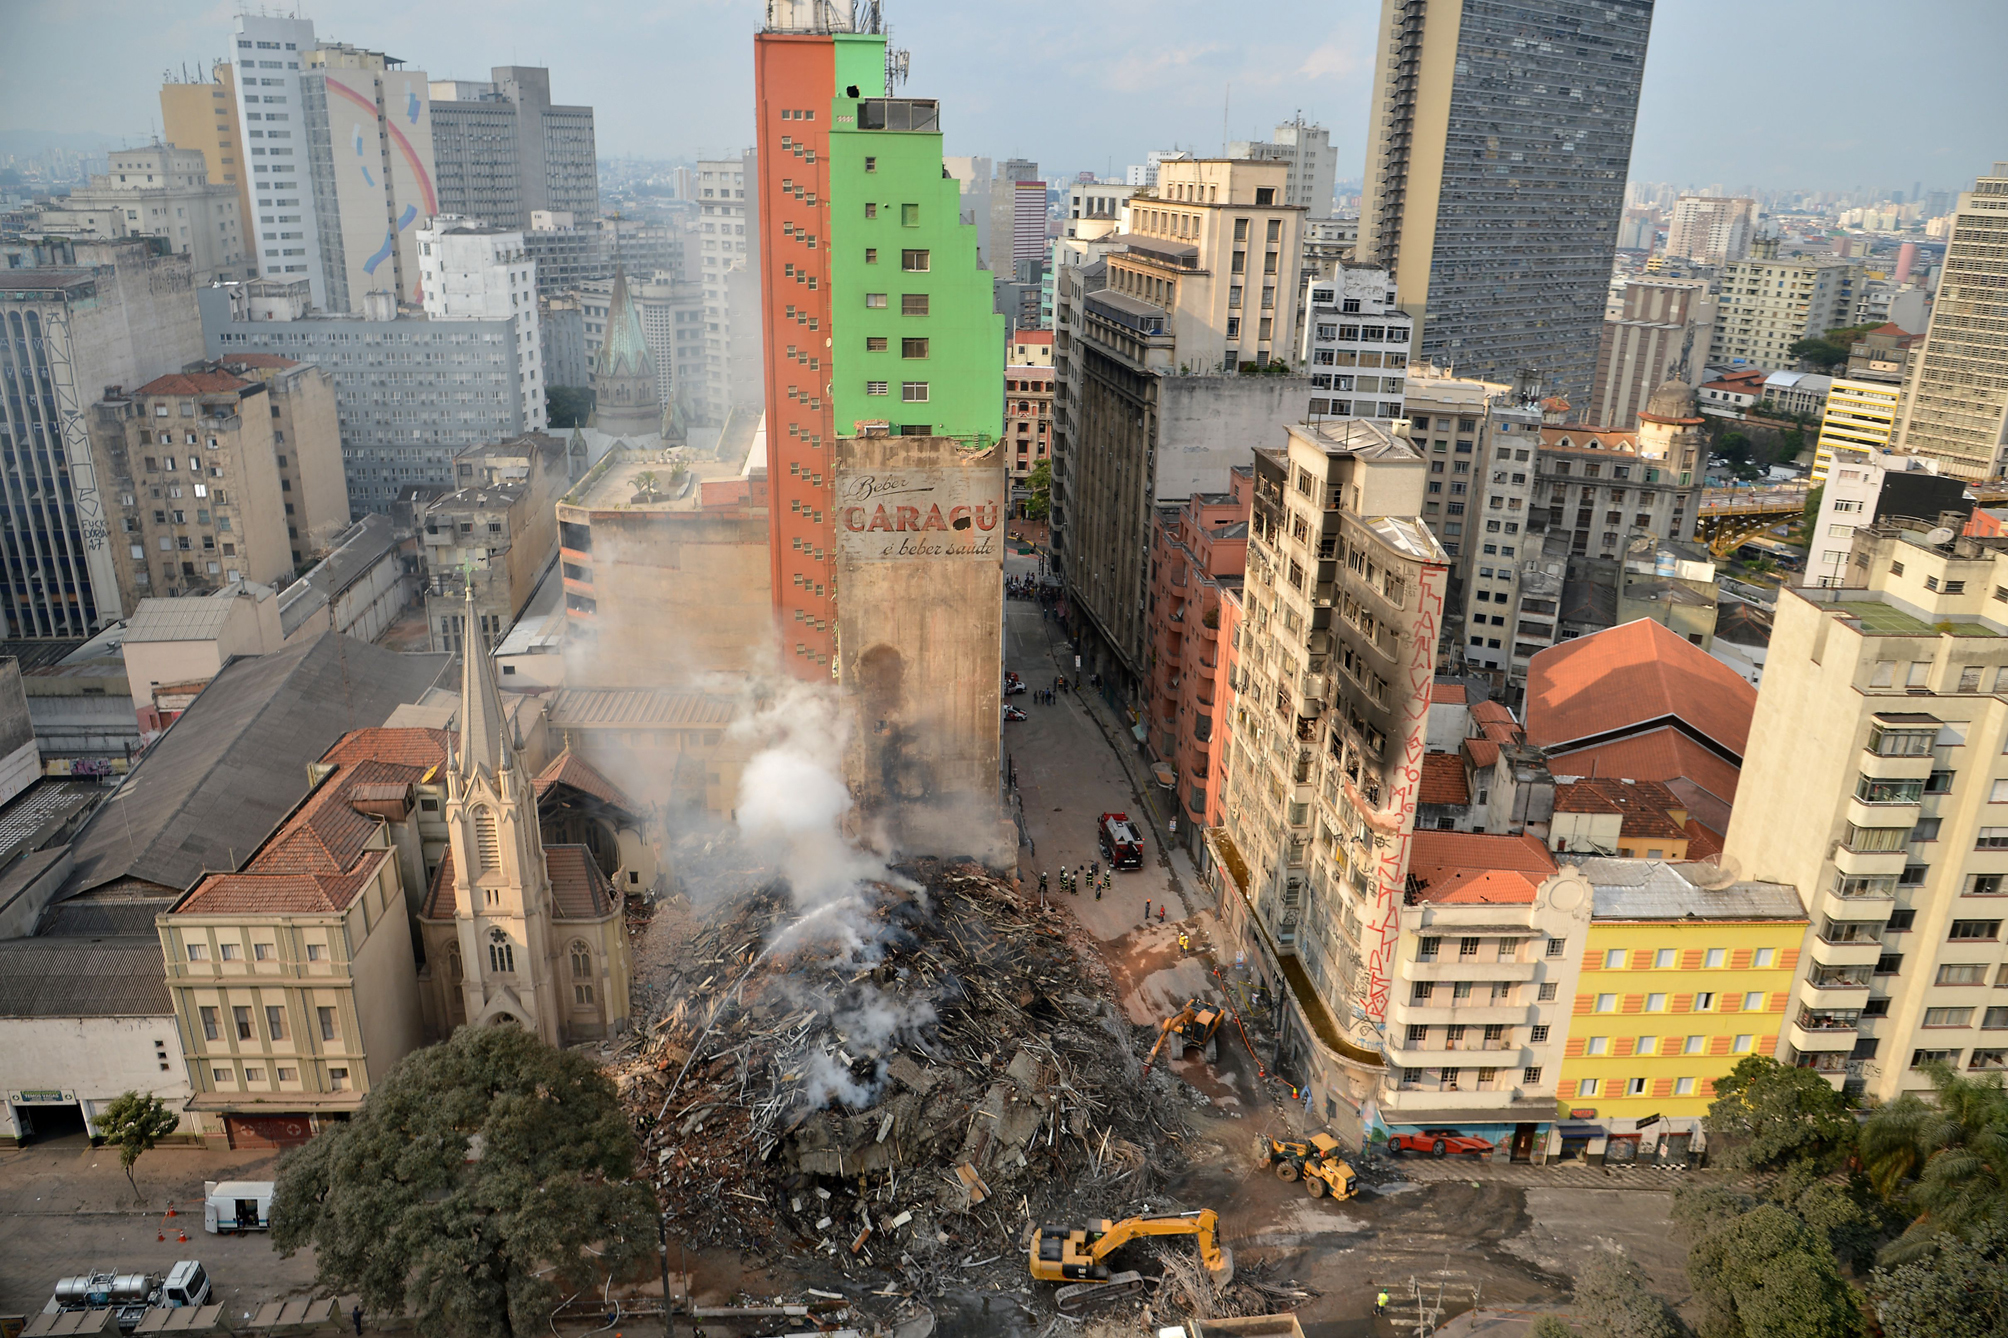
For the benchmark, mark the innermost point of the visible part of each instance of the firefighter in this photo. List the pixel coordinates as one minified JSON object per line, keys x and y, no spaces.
{"x":1098,"y":891}
{"x":1184,"y":943}
{"x":1042,"y":887}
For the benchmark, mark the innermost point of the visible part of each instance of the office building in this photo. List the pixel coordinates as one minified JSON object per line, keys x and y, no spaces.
{"x":569,"y":255}
{"x":471,"y":272}
{"x":727,"y":258}
{"x":1767,"y":304}
{"x":202,"y":115}
{"x":1866,"y":483}
{"x":1860,"y":414}
{"x":1710,"y":230}
{"x":502,"y":150}
{"x":126,"y":318}
{"x":1313,"y":163}
{"x":1871,"y":759}
{"x":877,"y":317}
{"x":411,"y":393}
{"x":1955,"y":406}
{"x":1661,"y":333}
{"x":339,"y":145}
{"x":1009,"y":213}
{"x":1203,"y":287}
{"x":1495,"y":176}
{"x":1355,"y":344}
{"x":160,"y":191}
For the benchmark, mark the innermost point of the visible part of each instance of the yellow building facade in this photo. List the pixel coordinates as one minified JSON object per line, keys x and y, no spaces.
{"x":203,"y":116}
{"x":1679,"y":983}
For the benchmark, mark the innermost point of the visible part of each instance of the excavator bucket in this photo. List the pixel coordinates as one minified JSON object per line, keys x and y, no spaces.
{"x":1223,"y":1276}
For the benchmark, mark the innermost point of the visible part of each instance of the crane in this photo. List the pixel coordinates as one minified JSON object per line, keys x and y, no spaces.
{"x":1079,"y":1253}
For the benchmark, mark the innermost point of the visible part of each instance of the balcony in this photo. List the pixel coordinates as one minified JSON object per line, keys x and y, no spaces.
{"x":1434,"y":1054}
{"x":920,"y":115}
{"x":1845,"y":988}
{"x":1469,"y":968}
{"x":1832,"y":1062}
{"x":1479,"y":1010}
{"x":1825,"y":1039}
{"x":1853,"y":944}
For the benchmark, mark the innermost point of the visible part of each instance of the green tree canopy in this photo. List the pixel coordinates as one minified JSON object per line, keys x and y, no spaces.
{"x":1957,"y":1289}
{"x":1774,"y":1115}
{"x":1040,"y":504}
{"x":133,"y":1124}
{"x":1766,"y":1275}
{"x":568,"y":406}
{"x":1829,"y":350}
{"x":484,"y":1180}
{"x":1612,"y":1301}
{"x":1945,"y":1163}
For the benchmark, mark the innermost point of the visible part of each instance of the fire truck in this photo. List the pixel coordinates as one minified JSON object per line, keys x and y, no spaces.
{"x":1122,"y":843}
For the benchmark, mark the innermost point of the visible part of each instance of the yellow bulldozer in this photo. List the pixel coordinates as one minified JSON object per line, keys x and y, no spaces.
{"x":1196,"y":1025}
{"x":1078,"y":1254}
{"x":1315,"y":1161}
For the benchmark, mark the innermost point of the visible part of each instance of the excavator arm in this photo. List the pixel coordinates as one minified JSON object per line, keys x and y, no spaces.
{"x":1201,"y":1225}
{"x":1165,"y":1029}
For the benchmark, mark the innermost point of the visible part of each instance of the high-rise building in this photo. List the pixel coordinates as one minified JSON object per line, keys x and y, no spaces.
{"x":503,"y":150}
{"x":1356,"y":344}
{"x":1495,"y":176}
{"x":726,"y":256}
{"x":1307,"y":150}
{"x":159,"y":191}
{"x":1710,"y":229}
{"x":471,"y":272}
{"x":123,"y":317}
{"x":1868,"y":785}
{"x":1001,"y":240}
{"x":1859,"y":413}
{"x":1661,"y":333}
{"x":1956,"y":395}
{"x":878,"y":317}
{"x":203,"y":116}
{"x":339,"y":143}
{"x":1767,"y":304}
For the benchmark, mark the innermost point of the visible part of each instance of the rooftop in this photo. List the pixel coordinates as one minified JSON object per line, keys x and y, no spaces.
{"x":1618,"y":681}
{"x":634,"y":708}
{"x":195,"y":383}
{"x":616,"y":483}
{"x":1647,"y":806}
{"x":1650,"y":889}
{"x":1450,"y":868}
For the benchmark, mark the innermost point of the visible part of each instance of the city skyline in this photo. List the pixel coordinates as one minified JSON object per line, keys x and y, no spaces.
{"x":1221,"y":85}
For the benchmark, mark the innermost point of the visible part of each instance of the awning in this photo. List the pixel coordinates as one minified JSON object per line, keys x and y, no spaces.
{"x":1583,"y":1131}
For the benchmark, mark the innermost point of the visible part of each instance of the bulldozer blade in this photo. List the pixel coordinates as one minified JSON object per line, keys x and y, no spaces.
{"x":1223,"y":1277}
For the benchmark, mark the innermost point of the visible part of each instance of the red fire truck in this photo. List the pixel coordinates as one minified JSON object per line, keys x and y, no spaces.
{"x":1121,"y":842}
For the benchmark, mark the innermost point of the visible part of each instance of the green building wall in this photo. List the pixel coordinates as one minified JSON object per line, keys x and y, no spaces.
{"x":918,"y":208}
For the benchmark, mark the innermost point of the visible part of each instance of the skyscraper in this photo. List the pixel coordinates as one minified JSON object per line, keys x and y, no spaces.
{"x":1495,"y":175}
{"x":1306,"y":149}
{"x":878,"y":319}
{"x":1955,"y":402}
{"x":503,"y":150}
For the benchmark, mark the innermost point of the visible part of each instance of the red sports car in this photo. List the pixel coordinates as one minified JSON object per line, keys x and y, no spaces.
{"x":1438,"y":1143}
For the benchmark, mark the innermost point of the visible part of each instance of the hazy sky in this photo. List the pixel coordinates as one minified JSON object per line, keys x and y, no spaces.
{"x":1824,"y":94}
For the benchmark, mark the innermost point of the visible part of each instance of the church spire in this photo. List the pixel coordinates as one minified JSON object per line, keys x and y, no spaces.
{"x":482,"y":741}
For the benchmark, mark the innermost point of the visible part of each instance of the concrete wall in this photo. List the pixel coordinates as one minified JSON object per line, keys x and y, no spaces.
{"x":385,"y":977}
{"x":920,"y":552}
{"x":92,"y":1059}
{"x":20,"y":759}
{"x":71,"y":720}
{"x":1209,"y":424}
{"x":319,"y":496}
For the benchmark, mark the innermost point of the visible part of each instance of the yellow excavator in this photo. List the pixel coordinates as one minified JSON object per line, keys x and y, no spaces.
{"x":1315,"y":1161}
{"x":1078,"y":1254}
{"x":1197,"y":1025}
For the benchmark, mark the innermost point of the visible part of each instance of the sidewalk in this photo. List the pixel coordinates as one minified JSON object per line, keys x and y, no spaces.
{"x":1557,"y":1175}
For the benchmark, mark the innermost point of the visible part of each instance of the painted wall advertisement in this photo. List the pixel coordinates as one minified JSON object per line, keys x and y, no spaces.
{"x":920,"y":515}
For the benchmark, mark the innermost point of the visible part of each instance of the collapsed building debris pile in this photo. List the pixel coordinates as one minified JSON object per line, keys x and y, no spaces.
{"x":904,"y":1106}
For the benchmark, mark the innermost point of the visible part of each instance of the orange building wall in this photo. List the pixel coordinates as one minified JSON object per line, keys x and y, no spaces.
{"x":796,"y":74}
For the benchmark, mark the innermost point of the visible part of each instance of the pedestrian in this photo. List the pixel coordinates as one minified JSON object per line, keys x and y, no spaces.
{"x":357,"y":1316}
{"x":1160,"y":912}
{"x":1146,"y":910}
{"x":1098,"y":891}
{"x":1094,"y":869}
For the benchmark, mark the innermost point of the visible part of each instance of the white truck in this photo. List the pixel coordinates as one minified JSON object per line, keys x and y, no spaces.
{"x":131,"y":1294}
{"x":236,"y":1205}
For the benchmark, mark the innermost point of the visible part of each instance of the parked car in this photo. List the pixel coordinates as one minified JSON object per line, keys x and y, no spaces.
{"x":1439,"y":1143}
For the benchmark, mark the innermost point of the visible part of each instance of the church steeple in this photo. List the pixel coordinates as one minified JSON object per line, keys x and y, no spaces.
{"x":483,"y":736}
{"x":626,"y":398}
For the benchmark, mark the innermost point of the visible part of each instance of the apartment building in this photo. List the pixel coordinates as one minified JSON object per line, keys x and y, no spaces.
{"x":497,"y":531}
{"x":1661,"y":332}
{"x":121,"y":320}
{"x":1472,"y":125}
{"x":159,"y":191}
{"x":725,"y":253}
{"x":1451,"y":419}
{"x":1095,"y":208}
{"x":1306,"y":150}
{"x":202,"y":115}
{"x":1860,"y":415}
{"x":503,"y":150}
{"x":1344,"y":593}
{"x":1710,"y":229}
{"x":1199,"y":553}
{"x":469,"y":271}
{"x":1767,"y":304}
{"x":1875,"y":768}
{"x":1955,"y":406}
{"x":569,"y":256}
{"x":1866,"y":484}
{"x":1355,"y":344}
{"x":1028,"y":415}
{"x":307,"y":438}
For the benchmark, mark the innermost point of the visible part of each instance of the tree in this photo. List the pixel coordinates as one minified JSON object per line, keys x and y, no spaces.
{"x":1959,"y":1289}
{"x":481,"y":1182}
{"x":1848,"y":1217}
{"x":1831,"y":349}
{"x":1947,"y":1164}
{"x":1766,"y":1275}
{"x":1040,"y":504}
{"x":133,"y":1124}
{"x":1547,"y":1326}
{"x":1776,"y":1115}
{"x":568,"y":406}
{"x":1612,"y":1301}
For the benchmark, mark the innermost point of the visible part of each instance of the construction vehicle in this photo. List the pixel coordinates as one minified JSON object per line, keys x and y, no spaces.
{"x":1079,"y":1254}
{"x":1197,"y":1025}
{"x":130,"y":1295}
{"x":1315,"y":1161}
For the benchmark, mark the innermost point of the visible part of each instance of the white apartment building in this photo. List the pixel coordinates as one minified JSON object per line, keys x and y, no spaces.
{"x":471,"y":272}
{"x":1860,"y":415}
{"x":1711,"y":229}
{"x":1875,"y":782}
{"x":730,"y":278}
{"x":1766,"y":305}
{"x":1852,"y":490}
{"x":1355,"y":344}
{"x":1312,"y":160}
{"x":1095,"y":208}
{"x":159,"y":191}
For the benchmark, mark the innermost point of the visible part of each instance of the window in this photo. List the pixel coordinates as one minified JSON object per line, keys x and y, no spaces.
{"x":1547,"y":991}
{"x":909,"y":216}
{"x":254,"y":1073}
{"x":913,"y":348}
{"x":914,"y":262}
{"x":1557,"y":946}
{"x":913,"y":304}
{"x":871,"y":211}
{"x":1694,"y":1045}
{"x":875,"y":300}
{"x":262,"y":952}
{"x":1421,"y":992}
{"x":1537,"y":1035}
{"x":1962,"y":973}
{"x":871,"y":255}
{"x":338,"y":1080}
{"x":1531,"y":1076}
{"x":1948,"y":1017}
{"x":582,"y":994}
{"x":1992,"y":838}
{"x":1919,"y":1058}
{"x":1742,"y":1045}
{"x":1683,"y":1087}
{"x":502,"y":957}
{"x":1974,"y":929}
{"x":875,"y":343}
{"x":275,"y":1022}
{"x":1635,"y":1087}
{"x":1889,"y":964}
{"x":1607,"y":1003}
{"x":1763,"y":957}
{"x":1753,"y":1003}
{"x":913,"y":392}
{"x":1704,"y":1002}
{"x":223,"y":1074}
{"x":242,"y":1016}
{"x":1614,"y":959}
{"x":1663,"y":960}
{"x":230,"y":952}
{"x":1994,"y":1018}
{"x":878,"y":387}
{"x":198,"y":952}
{"x":1597,"y":1045}
{"x":326,"y":1017}
{"x":209,"y":1027}
{"x":1714,"y":958}
{"x":287,"y":1074}
{"x":317,"y":952}
{"x":1655,"y":1003}
{"x":1587,"y":1086}
{"x":582,"y":961}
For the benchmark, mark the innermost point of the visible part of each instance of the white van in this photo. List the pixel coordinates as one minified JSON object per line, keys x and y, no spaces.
{"x":236,"y":1205}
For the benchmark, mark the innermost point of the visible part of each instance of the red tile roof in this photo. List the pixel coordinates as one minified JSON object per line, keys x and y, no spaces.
{"x":1447,"y":694}
{"x":1484,"y":753}
{"x":1623,"y":678}
{"x":1466,"y":867}
{"x":412,"y":747}
{"x":1645,"y":805}
{"x":1490,"y":712}
{"x":1702,"y":842}
{"x":569,"y":769}
{"x":579,"y":891}
{"x":1663,"y":754}
{"x":193,"y":383}
{"x":1443,"y":780}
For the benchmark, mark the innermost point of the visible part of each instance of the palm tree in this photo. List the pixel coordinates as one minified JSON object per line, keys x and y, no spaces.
{"x":1947,"y":1162}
